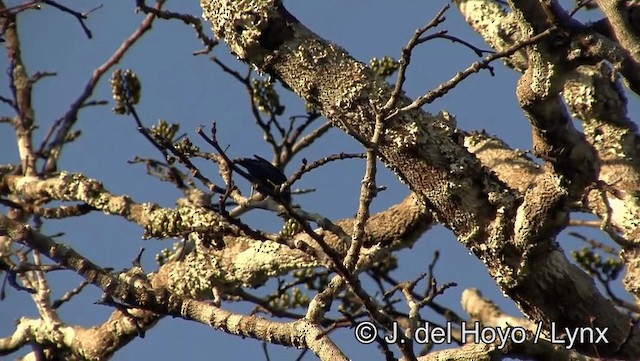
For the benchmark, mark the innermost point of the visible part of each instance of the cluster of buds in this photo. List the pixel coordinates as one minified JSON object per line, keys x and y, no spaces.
{"x":290,"y":228}
{"x":385,"y":66}
{"x":126,"y":89}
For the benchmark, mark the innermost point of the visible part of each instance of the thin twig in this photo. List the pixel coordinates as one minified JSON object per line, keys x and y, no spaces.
{"x":71,"y":116}
{"x":246,"y":82}
{"x":308,"y":139}
{"x":80,"y":16}
{"x":194,"y":21}
{"x":306,"y":167}
{"x":8,"y":101}
{"x":368,"y":191}
{"x":405,"y":59}
{"x":69,"y":295}
{"x":444,"y":35}
{"x":595,"y":244}
{"x":41,"y":74}
{"x":443,"y":88}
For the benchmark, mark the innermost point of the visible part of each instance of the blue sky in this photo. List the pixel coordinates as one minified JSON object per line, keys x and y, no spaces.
{"x":191,"y":91}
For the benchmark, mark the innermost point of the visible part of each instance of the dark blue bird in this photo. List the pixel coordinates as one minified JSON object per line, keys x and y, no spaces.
{"x":265,"y":177}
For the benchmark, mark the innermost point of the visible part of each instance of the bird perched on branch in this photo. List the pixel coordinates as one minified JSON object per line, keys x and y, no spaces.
{"x":265,"y":177}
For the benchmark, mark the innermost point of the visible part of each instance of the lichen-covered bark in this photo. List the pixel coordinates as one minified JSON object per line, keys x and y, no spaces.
{"x":424,"y":152}
{"x":133,"y":288}
{"x":242,"y":262}
{"x":596,"y":97}
{"x":327,"y":77}
{"x":245,"y":262}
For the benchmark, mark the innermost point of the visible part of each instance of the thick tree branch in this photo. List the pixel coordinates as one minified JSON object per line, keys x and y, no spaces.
{"x":157,"y":221}
{"x":135,"y":291}
{"x":423,"y":151}
{"x":21,"y":87}
{"x":596,"y":97}
{"x":617,"y":12}
{"x":511,"y":165}
{"x":244,"y":261}
{"x":94,"y":343}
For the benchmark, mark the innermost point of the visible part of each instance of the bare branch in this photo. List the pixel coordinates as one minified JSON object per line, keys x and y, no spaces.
{"x":444,"y":88}
{"x":80,"y":16}
{"x":54,"y":148}
{"x":194,"y":21}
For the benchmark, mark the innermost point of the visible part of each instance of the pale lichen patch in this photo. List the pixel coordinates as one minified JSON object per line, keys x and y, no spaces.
{"x":241,"y":23}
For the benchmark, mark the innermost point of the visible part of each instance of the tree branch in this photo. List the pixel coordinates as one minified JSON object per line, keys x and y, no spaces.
{"x":424,"y":153}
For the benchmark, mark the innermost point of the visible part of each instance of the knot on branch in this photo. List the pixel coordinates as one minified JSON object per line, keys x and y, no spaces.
{"x":543,"y":213}
{"x":251,"y":28}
